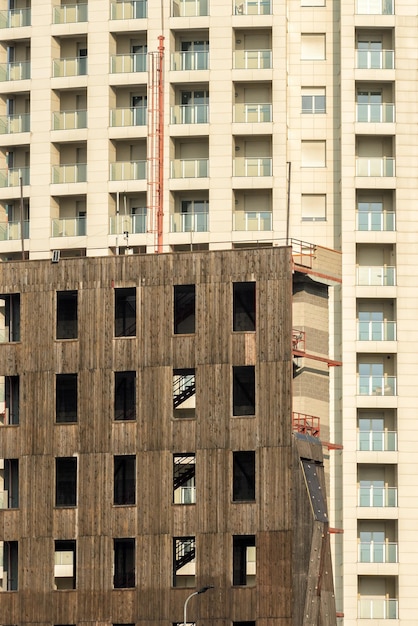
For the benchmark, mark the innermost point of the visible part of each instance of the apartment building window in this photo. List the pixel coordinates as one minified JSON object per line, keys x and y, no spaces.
{"x":124,"y":479}
{"x":243,"y":481}
{"x":66,"y":398}
{"x":184,"y":479}
{"x":243,"y":623}
{"x":312,"y":47}
{"x":313,"y":100}
{"x":66,"y":481}
{"x":65,"y":564}
{"x":313,"y":207}
{"x":184,"y":309}
{"x":9,"y":400}
{"x":243,"y":390}
{"x":9,"y":317}
{"x":124,"y":563}
{"x":9,"y":483}
{"x":10,"y":565}
{"x":244,"y":306}
{"x":313,"y":153}
{"x":184,"y":562}
{"x":184,"y":393}
{"x":125,"y":312}
{"x":125,"y":396}
{"x":244,"y":560}
{"x":67,"y":304}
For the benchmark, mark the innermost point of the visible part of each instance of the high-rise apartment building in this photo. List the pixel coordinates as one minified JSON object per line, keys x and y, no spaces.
{"x":282,"y":119}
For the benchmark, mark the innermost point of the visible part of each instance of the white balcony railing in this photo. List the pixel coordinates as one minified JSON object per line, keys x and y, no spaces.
{"x":14,"y":18}
{"x":132,"y":224}
{"x":189,"y":8}
{"x":377,"y":552}
{"x":253,"y":166}
{"x":69,"y":120}
{"x":128,"y":9}
{"x":375,"y":59}
{"x":375,"y":7}
{"x":377,"y":608}
{"x":189,"y":168}
{"x":377,"y":440}
{"x":376,"y":385}
{"x":377,"y":275}
{"x":373,"y":496}
{"x":190,"y":60}
{"x":71,"y":173}
{"x":189,"y":222}
{"x":252,"y":113}
{"x":189,"y":114}
{"x":133,"y":62}
{"x":11,"y":177}
{"x":11,"y":231}
{"x":252,"y":59}
{"x":133,"y":116}
{"x":69,"y":227}
{"x":376,"y":220}
{"x":14,"y":124}
{"x":15,"y":71}
{"x":375,"y":113}
{"x":128,"y":170}
{"x":70,"y":13}
{"x":252,"y":7}
{"x":75,"y":66}
{"x":373,"y":330}
{"x":375,"y":166}
{"x":252,"y":220}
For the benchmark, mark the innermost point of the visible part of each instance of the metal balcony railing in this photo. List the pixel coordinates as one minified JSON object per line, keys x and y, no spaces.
{"x":376,"y":220}
{"x":14,"y":18}
{"x":252,"y":113}
{"x":11,"y":231}
{"x":377,"y":552}
{"x":189,"y":8}
{"x":190,"y":60}
{"x":189,"y":114}
{"x":131,"y":116}
{"x":375,"y":113}
{"x":252,"y":220}
{"x":373,"y":496}
{"x":376,"y":330}
{"x":252,"y":7}
{"x":69,"y":227}
{"x":375,"y":59}
{"x":376,"y":385}
{"x":132,"y":224}
{"x":253,"y":166}
{"x":377,"y":275}
{"x":15,"y":71}
{"x":71,"y":173}
{"x":75,"y":66}
{"x":189,"y":222}
{"x":189,"y":168}
{"x":14,"y":124}
{"x":252,"y":59}
{"x":70,"y":13}
{"x":375,"y":7}
{"x":377,"y":440}
{"x":128,"y":9}
{"x":377,"y":608}
{"x":11,"y":177}
{"x":128,"y":170}
{"x":69,"y":120}
{"x":133,"y":62}
{"x":375,"y":166}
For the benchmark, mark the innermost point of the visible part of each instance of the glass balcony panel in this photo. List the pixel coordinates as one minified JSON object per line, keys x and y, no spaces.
{"x":189,"y":222}
{"x":132,"y":224}
{"x":190,"y":114}
{"x":72,"y":173}
{"x":375,"y":496}
{"x":253,"y":166}
{"x":134,"y":116}
{"x":375,"y":59}
{"x":14,"y":18}
{"x":14,"y":124}
{"x":190,"y":8}
{"x":252,"y":59}
{"x":378,"y":552}
{"x":381,"y":441}
{"x":135,"y":62}
{"x":70,"y":13}
{"x":375,"y":166}
{"x":252,"y":113}
{"x":10,"y":231}
{"x":76,"y":66}
{"x":374,"y":112}
{"x":128,"y":9}
{"x":252,"y":220}
{"x":376,"y":220}
{"x":11,"y":177}
{"x":253,"y":7}
{"x":15,"y":71}
{"x":128,"y":170}
{"x":375,"y":7}
{"x":189,"y":168}
{"x":377,"y":385}
{"x":190,"y":60}
{"x":69,"y":227}
{"x":376,"y":276}
{"x":69,"y":120}
{"x":377,"y":608}
{"x":376,"y":330}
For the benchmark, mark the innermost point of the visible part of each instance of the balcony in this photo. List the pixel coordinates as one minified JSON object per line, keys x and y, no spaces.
{"x":132,"y":62}
{"x":252,"y":113}
{"x":10,"y":124}
{"x":189,"y":222}
{"x":376,"y":276}
{"x":375,"y":7}
{"x":15,"y":71}
{"x":253,"y":166}
{"x":252,"y":220}
{"x":375,"y":166}
{"x":377,"y":441}
{"x":69,"y":227}
{"x":128,"y":9}
{"x":70,"y":13}
{"x":189,"y":8}
{"x":375,"y":59}
{"x":132,"y":116}
{"x":14,"y":18}
{"x":376,"y":221}
{"x":253,"y":7}
{"x":377,"y":608}
{"x":75,"y":66}
{"x":252,"y":59}
{"x":375,"y":113}
{"x":69,"y":120}
{"x":376,"y":385}
{"x":11,"y":177}
{"x":11,"y":231}
{"x":190,"y":60}
{"x":71,"y":173}
{"x":128,"y":170}
{"x":132,"y":224}
{"x":189,"y":114}
{"x":376,"y":330}
{"x":189,"y":168}
{"x":376,"y":496}
{"x":377,"y":552}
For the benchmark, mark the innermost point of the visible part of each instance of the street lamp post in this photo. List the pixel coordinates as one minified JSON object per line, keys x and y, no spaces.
{"x":196,"y":593}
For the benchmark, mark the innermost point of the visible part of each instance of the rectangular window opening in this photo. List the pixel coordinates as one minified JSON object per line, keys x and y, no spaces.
{"x":244,"y":306}
{"x":9,"y":483}
{"x":9,"y":317}
{"x":124,"y":563}
{"x":9,"y":400}
{"x":184,"y":476}
{"x":67,"y":318}
{"x":125,"y":312}
{"x":65,"y":565}
{"x":244,"y":390}
{"x":124,"y":479}
{"x":184,"y":393}
{"x":184,"y":562}
{"x":243,"y":488}
{"x":66,"y":398}
{"x":10,"y":553}
{"x":66,"y":481}
{"x":244,"y":560}
{"x":125,"y":396}
{"x":184,"y":309}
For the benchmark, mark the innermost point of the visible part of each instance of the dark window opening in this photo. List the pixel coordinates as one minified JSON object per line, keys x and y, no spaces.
{"x":124,"y":563}
{"x":9,"y":317}
{"x":184,"y":309}
{"x":125,"y":395}
{"x":243,"y":623}
{"x":9,"y":483}
{"x":125,"y":312}
{"x":124,"y":483}
{"x":184,"y":475}
{"x":10,"y":551}
{"x":184,"y":393}
{"x":184,"y":562}
{"x":66,"y":398}
{"x":244,"y":307}
{"x":67,"y":318}
{"x":66,"y":481}
{"x":244,"y":390}
{"x":243,"y":476}
{"x":65,"y":565}
{"x":9,"y":411}
{"x":244,"y":560}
